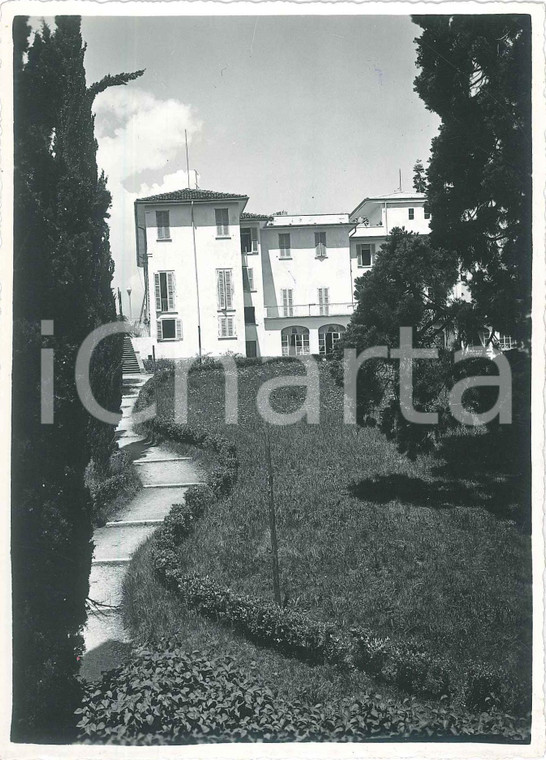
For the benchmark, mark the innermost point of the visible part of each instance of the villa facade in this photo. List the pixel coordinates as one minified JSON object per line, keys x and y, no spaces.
{"x":220,"y":279}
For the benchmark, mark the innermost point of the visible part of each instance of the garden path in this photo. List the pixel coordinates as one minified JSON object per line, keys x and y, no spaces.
{"x":166,"y":477}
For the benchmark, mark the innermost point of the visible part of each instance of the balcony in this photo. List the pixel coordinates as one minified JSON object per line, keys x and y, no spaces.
{"x":309,"y":310}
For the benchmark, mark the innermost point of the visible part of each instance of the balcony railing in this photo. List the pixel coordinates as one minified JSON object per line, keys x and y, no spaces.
{"x":309,"y":310}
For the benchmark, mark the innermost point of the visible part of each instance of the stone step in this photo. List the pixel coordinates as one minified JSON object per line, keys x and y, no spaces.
{"x":133,"y":523}
{"x":111,"y":561}
{"x":175,"y":485}
{"x":162,"y":461}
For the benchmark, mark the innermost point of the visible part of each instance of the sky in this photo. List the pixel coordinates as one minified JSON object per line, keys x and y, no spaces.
{"x":306,"y":114}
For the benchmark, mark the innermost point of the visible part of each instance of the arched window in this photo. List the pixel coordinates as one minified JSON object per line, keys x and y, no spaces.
{"x":295,"y":341}
{"x":328,"y":336}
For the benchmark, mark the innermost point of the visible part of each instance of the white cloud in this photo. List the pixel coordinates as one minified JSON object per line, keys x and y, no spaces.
{"x":151,"y":131}
{"x":137,"y":132}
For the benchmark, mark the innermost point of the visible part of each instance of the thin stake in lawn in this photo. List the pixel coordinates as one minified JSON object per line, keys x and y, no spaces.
{"x":272,"y":521}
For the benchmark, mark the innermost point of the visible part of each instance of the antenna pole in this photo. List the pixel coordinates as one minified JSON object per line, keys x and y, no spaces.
{"x":187,"y":158}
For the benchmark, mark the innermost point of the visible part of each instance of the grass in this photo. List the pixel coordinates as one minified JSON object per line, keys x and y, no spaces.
{"x":406,"y":549}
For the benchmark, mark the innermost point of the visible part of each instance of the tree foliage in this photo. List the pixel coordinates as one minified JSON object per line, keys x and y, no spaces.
{"x":409,"y":286}
{"x":419,"y":177}
{"x":62,"y":272}
{"x":476,"y":75}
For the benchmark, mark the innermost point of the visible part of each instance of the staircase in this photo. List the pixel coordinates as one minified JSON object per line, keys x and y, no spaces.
{"x":130,"y":364}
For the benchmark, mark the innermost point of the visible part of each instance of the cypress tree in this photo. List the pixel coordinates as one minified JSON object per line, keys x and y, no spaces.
{"x":62,"y":272}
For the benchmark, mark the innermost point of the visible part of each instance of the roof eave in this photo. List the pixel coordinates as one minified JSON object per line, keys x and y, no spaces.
{"x":235,"y":198}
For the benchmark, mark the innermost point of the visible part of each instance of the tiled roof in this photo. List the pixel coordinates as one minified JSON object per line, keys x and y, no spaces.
{"x":259,"y":217}
{"x":188,"y":194}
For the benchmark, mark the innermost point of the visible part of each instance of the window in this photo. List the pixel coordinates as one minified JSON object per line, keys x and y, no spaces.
{"x":163,"y":226}
{"x":224,"y":288}
{"x":249,"y":240}
{"x":226,"y":327}
{"x":324,"y":300}
{"x":248,"y":279}
{"x":251,"y":349}
{"x":411,"y":213}
{"x":506,"y":343}
{"x":320,"y":245}
{"x":295,"y":341}
{"x":328,"y":336}
{"x":365,"y":252}
{"x":222,"y":222}
{"x":426,"y":211}
{"x":284,"y":245}
{"x":169,"y":329}
{"x":250,"y":315}
{"x":287,"y":298}
{"x":164,"y":291}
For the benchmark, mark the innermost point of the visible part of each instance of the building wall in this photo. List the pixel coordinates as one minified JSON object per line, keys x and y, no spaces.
{"x":255,"y":297}
{"x":304,"y":273}
{"x":213,"y":253}
{"x":397,"y":215}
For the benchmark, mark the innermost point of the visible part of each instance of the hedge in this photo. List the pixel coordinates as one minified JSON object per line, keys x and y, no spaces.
{"x":173,"y":697}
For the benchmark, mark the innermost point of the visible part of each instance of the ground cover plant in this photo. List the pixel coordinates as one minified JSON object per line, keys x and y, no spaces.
{"x":447,"y":575}
{"x":172,"y":696}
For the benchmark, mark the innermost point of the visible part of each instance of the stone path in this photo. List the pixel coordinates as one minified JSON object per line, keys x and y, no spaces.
{"x":165,"y":477}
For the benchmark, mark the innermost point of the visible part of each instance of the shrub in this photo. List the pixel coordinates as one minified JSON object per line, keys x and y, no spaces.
{"x":175,"y":697}
{"x":109,"y":492}
{"x":487,"y":689}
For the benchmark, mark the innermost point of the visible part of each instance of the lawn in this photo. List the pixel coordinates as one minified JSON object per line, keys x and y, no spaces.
{"x":366,"y":537}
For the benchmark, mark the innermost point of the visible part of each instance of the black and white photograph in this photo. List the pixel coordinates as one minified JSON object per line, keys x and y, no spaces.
{"x":272,"y":379}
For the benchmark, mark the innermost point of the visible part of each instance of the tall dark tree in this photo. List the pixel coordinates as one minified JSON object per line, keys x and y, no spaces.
{"x":62,"y":273}
{"x":476,"y":75}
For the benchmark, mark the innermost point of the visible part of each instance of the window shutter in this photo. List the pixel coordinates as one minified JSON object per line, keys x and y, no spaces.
{"x":254,"y":238}
{"x":220,"y":284}
{"x":222,"y":327}
{"x":228,"y":288}
{"x":157,"y":292}
{"x":230,"y":327}
{"x":159,"y":330}
{"x":170,"y":291}
{"x":178,"y":329}
{"x":317,"y":238}
{"x":250,"y":278}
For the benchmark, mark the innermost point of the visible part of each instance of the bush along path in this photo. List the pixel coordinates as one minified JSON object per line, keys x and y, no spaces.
{"x":166,"y":478}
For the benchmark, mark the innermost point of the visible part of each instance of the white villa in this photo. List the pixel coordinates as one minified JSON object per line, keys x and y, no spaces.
{"x":220,"y":279}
